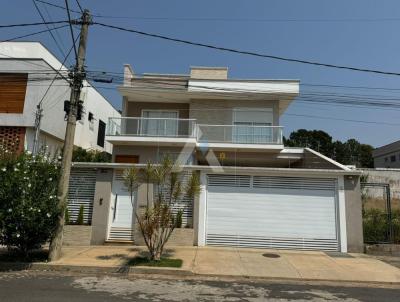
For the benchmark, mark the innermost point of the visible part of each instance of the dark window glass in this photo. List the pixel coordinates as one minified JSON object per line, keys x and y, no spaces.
{"x":101,"y":134}
{"x":393,"y":158}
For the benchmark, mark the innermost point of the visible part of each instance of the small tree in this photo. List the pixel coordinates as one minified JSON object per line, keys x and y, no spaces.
{"x":79,"y":219}
{"x":28,"y":200}
{"x":157,"y":222}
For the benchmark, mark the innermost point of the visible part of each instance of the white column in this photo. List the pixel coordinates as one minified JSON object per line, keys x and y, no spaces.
{"x":342,"y":215}
{"x":202,"y":213}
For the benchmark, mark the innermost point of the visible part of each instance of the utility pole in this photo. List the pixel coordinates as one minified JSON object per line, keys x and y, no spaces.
{"x":78,"y":75}
{"x":38,"y":119}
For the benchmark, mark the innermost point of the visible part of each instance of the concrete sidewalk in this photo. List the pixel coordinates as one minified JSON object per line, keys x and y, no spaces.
{"x":295,"y":265}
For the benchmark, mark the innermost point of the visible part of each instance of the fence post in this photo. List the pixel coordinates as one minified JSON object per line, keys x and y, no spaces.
{"x":389,"y":210}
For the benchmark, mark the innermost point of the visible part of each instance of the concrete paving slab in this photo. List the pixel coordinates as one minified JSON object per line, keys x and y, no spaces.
{"x":255,"y":264}
{"x":216,"y":261}
{"x":368,"y":269}
{"x":187,"y":255}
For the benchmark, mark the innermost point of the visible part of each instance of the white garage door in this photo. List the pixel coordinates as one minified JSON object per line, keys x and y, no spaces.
{"x":272,"y":212}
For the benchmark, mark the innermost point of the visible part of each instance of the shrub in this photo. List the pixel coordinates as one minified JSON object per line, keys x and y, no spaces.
{"x":396,"y":226}
{"x":376,"y":225}
{"x":79,"y":219}
{"x":179,"y":219}
{"x":66,"y":216}
{"x":28,"y":200}
{"x":82,"y":155}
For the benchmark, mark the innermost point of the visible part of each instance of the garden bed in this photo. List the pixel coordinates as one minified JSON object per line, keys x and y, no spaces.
{"x":164,"y":262}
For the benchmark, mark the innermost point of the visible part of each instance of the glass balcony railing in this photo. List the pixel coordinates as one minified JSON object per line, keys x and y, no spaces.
{"x":151,"y":127}
{"x":240,"y":134}
{"x":187,"y":128}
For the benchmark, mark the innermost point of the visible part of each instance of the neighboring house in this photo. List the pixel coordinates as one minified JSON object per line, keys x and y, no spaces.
{"x":255,"y":191}
{"x":26,"y":72}
{"x":387,"y":156}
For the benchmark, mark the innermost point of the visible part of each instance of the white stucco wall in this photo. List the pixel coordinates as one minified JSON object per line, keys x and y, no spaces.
{"x":384,"y":176}
{"x":47,"y":142}
{"x":86,"y":134}
{"x":31,"y":57}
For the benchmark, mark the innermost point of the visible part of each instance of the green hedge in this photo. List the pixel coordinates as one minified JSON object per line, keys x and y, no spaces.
{"x":28,"y":200}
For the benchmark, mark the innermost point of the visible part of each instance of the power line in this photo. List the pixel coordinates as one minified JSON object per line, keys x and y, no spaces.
{"x":32,"y":24}
{"x":35,"y":33}
{"x":62,"y":65}
{"x":143,"y":81}
{"x":223,"y":19}
{"x":341,"y":119}
{"x":57,"y":6}
{"x":324,"y":99}
{"x":47,"y":26}
{"x":306,"y":97}
{"x":32,"y":63}
{"x":247,"y":20}
{"x":56,"y":32}
{"x":250,"y":53}
{"x":79,"y":5}
{"x":350,"y":87}
{"x":71,"y":30}
{"x":116,"y":73}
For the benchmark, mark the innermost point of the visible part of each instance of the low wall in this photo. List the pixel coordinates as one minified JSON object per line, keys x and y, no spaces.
{"x":181,"y":237}
{"x":383,"y":249}
{"x":389,"y":176}
{"x":77,"y":235}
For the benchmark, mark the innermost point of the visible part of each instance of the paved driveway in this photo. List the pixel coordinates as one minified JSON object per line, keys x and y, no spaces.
{"x":279,"y":264}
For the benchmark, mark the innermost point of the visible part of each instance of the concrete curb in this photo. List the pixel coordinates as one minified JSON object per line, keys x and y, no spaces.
{"x":126,"y":270}
{"x":163,"y":271}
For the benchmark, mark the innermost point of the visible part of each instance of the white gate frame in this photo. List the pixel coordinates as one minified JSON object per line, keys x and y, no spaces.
{"x":202,"y":210}
{"x":201,"y":213}
{"x":342,"y":215}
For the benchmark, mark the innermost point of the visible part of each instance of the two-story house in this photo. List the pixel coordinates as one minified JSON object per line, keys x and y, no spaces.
{"x":255,"y":191}
{"x":27,"y":70}
{"x":387,"y":156}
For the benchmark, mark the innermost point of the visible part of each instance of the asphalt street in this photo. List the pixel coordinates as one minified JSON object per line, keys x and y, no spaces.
{"x":49,"y":287}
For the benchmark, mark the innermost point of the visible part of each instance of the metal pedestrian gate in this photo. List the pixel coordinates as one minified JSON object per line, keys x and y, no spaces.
{"x":82,"y":184}
{"x":378,"y":218}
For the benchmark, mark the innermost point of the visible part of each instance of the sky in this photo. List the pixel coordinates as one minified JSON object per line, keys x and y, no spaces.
{"x":359,"y":33}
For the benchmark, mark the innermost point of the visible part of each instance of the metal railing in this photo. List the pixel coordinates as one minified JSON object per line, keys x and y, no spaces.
{"x":151,"y":127}
{"x":240,"y":134}
{"x":170,"y":127}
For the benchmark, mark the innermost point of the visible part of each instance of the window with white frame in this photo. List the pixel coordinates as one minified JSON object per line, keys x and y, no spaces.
{"x":252,"y":125}
{"x":159,"y":123}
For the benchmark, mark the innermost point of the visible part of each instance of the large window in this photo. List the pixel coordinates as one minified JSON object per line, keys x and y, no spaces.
{"x":252,"y":125}
{"x":159,"y":123}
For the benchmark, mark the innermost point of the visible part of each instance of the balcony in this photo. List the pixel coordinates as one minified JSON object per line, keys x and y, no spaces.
{"x":178,"y":132}
{"x":151,"y":131}
{"x":240,"y":136}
